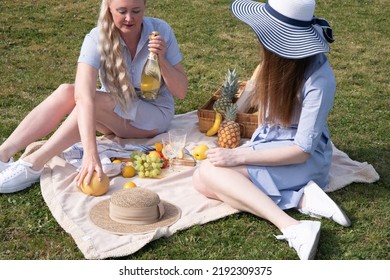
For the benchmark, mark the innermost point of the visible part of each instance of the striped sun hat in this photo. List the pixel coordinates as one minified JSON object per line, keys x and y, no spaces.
{"x":287,"y":28}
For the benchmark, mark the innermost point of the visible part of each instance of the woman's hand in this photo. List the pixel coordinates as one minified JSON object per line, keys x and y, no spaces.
{"x":174,"y":76}
{"x":90,"y":164}
{"x":158,"y":46}
{"x":224,"y":157}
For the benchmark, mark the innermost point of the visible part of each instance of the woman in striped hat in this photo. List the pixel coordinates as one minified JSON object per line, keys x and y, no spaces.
{"x":286,"y":164}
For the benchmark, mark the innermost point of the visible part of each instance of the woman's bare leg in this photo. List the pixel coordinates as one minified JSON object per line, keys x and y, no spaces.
{"x":233,"y":186}
{"x":67,"y":134}
{"x":42,"y":120}
{"x":109,"y":122}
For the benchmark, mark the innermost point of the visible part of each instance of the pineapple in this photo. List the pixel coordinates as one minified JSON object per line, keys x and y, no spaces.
{"x":229,"y":90}
{"x":229,"y":134}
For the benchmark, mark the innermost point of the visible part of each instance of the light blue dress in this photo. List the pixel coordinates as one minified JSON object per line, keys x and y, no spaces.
{"x":144,"y":114}
{"x":283,"y":184}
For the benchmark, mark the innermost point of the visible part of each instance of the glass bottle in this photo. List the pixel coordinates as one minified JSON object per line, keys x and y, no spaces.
{"x":151,"y":75}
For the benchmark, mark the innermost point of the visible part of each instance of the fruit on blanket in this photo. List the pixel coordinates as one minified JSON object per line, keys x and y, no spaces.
{"x":217,"y":122}
{"x":129,"y":185}
{"x":128,"y":171}
{"x":146,"y":165}
{"x":158,"y":146}
{"x":229,"y":133}
{"x":165,"y":162}
{"x":96,"y":187}
{"x":160,"y":155}
{"x":117,"y":161}
{"x":200,"y":152}
{"x":229,"y":90}
{"x":155,"y":154}
{"x":180,"y":154}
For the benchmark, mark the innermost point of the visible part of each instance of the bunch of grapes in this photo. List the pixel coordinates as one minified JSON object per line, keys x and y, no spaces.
{"x":147,"y":166}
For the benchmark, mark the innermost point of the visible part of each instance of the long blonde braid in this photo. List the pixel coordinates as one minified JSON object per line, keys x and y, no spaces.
{"x":114,"y":69}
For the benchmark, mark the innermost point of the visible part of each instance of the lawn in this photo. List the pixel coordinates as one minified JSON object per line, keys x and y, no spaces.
{"x":39,"y":47}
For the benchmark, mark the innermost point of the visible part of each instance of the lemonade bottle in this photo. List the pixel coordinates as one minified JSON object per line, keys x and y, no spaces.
{"x":151,"y":75}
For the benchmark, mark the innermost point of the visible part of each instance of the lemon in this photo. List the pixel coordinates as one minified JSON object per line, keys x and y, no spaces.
{"x":180,"y":154}
{"x":129,"y":185}
{"x":117,"y":161}
{"x":166,"y":147}
{"x":128,"y":171}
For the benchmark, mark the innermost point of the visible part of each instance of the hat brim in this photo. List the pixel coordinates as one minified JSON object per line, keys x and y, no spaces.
{"x":278,"y":37}
{"x":99,"y":216}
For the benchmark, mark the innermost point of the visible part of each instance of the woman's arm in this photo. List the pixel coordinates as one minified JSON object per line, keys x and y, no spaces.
{"x":270,"y":157}
{"x":85,"y":91}
{"x":174,"y":76}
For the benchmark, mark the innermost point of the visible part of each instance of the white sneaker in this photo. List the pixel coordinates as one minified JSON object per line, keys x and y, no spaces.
{"x":18,"y":176}
{"x":303,"y":237}
{"x":318,"y":204}
{"x":5,"y":165}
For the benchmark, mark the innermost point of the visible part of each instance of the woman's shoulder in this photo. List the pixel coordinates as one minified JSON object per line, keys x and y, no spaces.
{"x":157,"y":23}
{"x":93,"y":33}
{"x":317,"y":62}
{"x":320,"y":67}
{"x":320,"y":75}
{"x":94,"y":30}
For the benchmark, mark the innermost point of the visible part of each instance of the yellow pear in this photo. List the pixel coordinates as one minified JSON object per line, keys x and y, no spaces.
{"x":200,"y":152}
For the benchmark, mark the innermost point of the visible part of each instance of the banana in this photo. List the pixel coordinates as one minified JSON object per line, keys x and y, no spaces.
{"x":217,"y":122}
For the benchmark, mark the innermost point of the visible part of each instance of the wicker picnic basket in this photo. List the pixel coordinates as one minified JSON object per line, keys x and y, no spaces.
{"x":248,"y":121}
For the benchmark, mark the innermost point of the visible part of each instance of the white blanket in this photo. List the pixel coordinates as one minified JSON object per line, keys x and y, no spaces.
{"x":70,"y":207}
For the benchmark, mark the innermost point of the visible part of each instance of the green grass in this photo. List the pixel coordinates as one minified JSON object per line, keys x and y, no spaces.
{"x":39,"y":46}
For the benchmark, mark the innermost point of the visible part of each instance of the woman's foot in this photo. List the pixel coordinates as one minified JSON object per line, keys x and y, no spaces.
{"x":318,"y":204}
{"x":18,"y":176}
{"x":303,"y":237}
{"x":5,"y":165}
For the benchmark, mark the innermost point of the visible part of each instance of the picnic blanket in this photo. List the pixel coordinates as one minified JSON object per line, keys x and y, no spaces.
{"x":70,"y":206}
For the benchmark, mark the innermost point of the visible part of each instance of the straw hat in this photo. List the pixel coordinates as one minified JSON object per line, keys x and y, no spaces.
{"x":287,"y":28}
{"x":133,"y":211}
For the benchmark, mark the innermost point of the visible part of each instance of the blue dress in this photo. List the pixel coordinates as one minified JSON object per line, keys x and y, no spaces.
{"x":144,"y":114}
{"x":283,"y":184}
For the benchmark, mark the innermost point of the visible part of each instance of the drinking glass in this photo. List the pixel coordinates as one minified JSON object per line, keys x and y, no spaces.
{"x":168,"y":152}
{"x":174,"y":144}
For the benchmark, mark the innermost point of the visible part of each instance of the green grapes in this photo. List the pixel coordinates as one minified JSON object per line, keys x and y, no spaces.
{"x":147,"y":166}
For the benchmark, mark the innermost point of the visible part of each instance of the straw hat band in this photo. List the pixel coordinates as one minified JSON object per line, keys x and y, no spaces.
{"x":133,"y":211}
{"x":136,"y":216}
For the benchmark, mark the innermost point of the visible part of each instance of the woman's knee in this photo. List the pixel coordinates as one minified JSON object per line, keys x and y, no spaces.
{"x":199,"y":180}
{"x":60,"y":102}
{"x":68,"y":88}
{"x":196,"y":180}
{"x":199,"y":185}
{"x":65,"y":94}
{"x":65,"y":91}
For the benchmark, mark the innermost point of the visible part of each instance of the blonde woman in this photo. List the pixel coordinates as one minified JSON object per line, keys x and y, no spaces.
{"x":286,"y":164}
{"x":115,"y":51}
